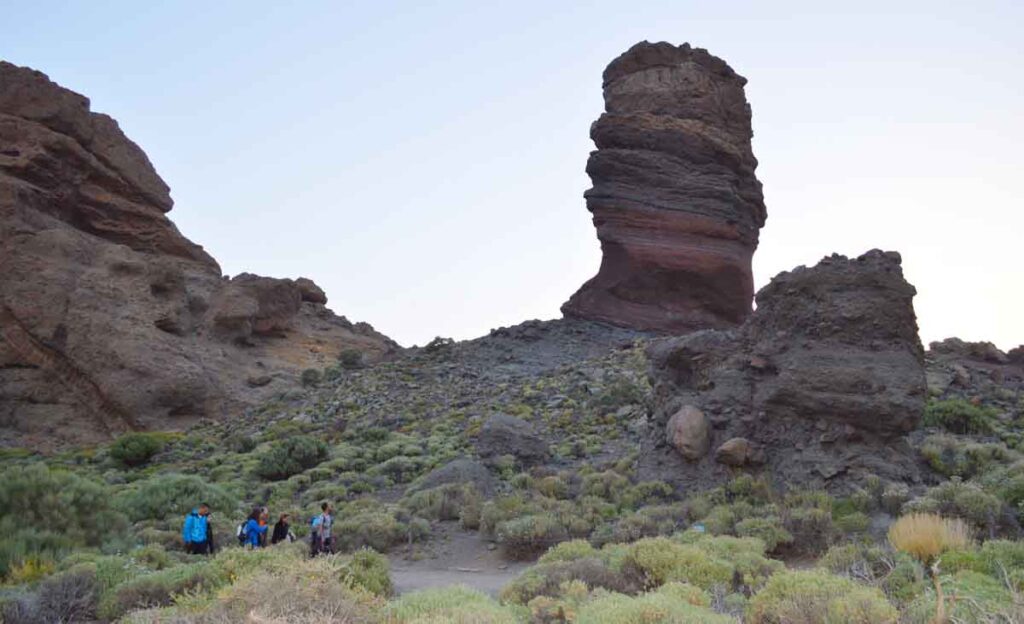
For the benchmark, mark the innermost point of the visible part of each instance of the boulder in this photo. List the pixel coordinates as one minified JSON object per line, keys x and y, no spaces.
{"x":675,"y":201}
{"x":310,"y":291}
{"x":689,"y":433}
{"x":110,"y":318}
{"x":826,"y":376}
{"x":502,"y":435}
{"x":459,"y":471}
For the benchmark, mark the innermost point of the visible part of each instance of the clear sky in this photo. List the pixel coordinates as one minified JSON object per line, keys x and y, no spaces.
{"x":424,"y":161}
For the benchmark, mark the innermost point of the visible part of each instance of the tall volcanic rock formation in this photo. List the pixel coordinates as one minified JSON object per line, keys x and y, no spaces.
{"x":110,"y":319}
{"x":675,"y":201}
{"x":817,"y":388}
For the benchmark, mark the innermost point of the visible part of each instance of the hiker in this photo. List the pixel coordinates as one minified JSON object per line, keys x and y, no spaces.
{"x":321,"y":540}
{"x":196,"y":531}
{"x":264,"y":525}
{"x":282,"y":530}
{"x":253,"y":533}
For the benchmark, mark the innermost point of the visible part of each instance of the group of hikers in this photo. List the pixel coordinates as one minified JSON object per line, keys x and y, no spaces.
{"x":197,"y":531}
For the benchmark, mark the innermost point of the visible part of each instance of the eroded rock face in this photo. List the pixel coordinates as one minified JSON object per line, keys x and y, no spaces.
{"x":675,"y":201}
{"x":820,"y":384}
{"x":110,"y":319}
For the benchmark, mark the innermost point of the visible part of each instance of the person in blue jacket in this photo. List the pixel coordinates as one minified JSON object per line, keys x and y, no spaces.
{"x":196,"y":531}
{"x":254,"y":530}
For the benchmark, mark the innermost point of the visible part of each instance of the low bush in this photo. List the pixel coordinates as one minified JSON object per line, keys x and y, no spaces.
{"x":769,"y":530}
{"x":291,"y":456}
{"x":959,"y":499}
{"x":897,"y":574}
{"x":550,"y":578}
{"x":671,"y":604}
{"x":375,"y":527}
{"x":656,"y":561}
{"x":311,"y":377}
{"x":816,"y":597}
{"x":454,"y":605}
{"x":44,"y":513}
{"x":954,"y":456}
{"x":368,"y":569}
{"x":971,"y":598}
{"x":959,"y":416}
{"x":172,"y":495}
{"x":137,"y":448}
{"x":524,"y":537}
{"x":66,"y":598}
{"x":157,"y":589}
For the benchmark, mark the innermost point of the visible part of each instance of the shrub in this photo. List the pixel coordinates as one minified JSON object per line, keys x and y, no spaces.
{"x":170,"y":495}
{"x":549,"y":579}
{"x":960,"y":499}
{"x":369,"y":569}
{"x":288,"y":457}
{"x":769,"y":530}
{"x":811,"y":527}
{"x":455,"y":605}
{"x":813,"y":597}
{"x":979,"y":599}
{"x":853,"y":524}
{"x":155,"y":589}
{"x":44,"y":513}
{"x":959,"y":416}
{"x":375,"y":528}
{"x":310,"y":377}
{"x":894,"y":496}
{"x":568,"y":551}
{"x":926,"y":536}
{"x":445,"y":502}
{"x":669,"y":605}
{"x":137,"y":448}
{"x":524,"y":537}
{"x":656,"y":561}
{"x":350,"y":359}
{"x":896,"y":573}
{"x":745,"y":555}
{"x":952,"y":456}
{"x":66,"y":598}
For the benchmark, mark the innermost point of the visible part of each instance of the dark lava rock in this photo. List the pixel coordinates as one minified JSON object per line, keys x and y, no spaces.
{"x":507,"y":435}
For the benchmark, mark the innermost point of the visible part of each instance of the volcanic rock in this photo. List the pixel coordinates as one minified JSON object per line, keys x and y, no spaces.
{"x":502,"y":435}
{"x":838,"y":383}
{"x":688,"y":432}
{"x":737,"y":452}
{"x":675,"y":201}
{"x":110,"y":319}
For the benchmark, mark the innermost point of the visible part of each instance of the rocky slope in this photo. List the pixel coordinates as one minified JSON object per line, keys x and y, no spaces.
{"x":675,"y":201}
{"x":110,"y":319}
{"x":819,"y":387}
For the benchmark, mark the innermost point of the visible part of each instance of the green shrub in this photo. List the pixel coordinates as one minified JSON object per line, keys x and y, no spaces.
{"x":69,"y":597}
{"x":157,"y":588}
{"x":368,"y":569}
{"x":401,"y":469}
{"x":568,"y":551}
{"x":745,"y":555}
{"x":812,"y":528}
{"x":454,"y":605}
{"x":172,"y":495}
{"x":524,"y":537}
{"x":44,"y":513}
{"x":853,"y":524}
{"x":959,"y":416}
{"x":971,"y":598}
{"x":668,"y":605}
{"x":288,"y":457}
{"x":310,"y":377}
{"x":137,"y":448}
{"x":897,"y":574}
{"x":350,"y":359}
{"x":769,"y":530}
{"x":375,"y":527}
{"x":445,"y":502}
{"x":658,"y":560}
{"x":953,"y":456}
{"x":550,"y":578}
{"x":813,"y":597}
{"x":959,"y":499}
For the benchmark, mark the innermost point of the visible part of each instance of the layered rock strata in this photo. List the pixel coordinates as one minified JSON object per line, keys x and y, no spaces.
{"x":675,"y":201}
{"x":817,"y":388}
{"x":110,"y":319}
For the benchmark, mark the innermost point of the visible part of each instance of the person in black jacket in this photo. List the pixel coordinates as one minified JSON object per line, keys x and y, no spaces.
{"x":282,"y":530}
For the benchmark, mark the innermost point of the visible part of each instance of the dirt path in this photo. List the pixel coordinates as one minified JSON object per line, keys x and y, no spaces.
{"x":454,"y":557}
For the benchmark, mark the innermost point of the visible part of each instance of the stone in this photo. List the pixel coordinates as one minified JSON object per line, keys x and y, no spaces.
{"x":112,"y":320}
{"x":459,"y":471}
{"x":502,"y":435}
{"x":846,"y":364}
{"x":735,"y":452}
{"x":675,"y":201}
{"x":689,"y":433}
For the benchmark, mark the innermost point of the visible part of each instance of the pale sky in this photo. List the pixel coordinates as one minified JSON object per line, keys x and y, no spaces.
{"x":424,"y":161}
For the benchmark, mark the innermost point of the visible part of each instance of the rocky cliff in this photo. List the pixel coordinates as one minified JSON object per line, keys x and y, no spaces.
{"x":818,"y":387}
{"x":110,"y":319}
{"x":675,"y":201}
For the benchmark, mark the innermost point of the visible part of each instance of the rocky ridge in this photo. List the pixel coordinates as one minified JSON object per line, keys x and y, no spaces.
{"x":675,"y":201}
{"x":110,"y":319}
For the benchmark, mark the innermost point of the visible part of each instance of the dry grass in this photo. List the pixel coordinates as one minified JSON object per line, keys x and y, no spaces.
{"x":926,"y":536}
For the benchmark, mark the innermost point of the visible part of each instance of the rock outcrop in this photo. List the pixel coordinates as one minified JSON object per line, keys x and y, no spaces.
{"x":110,"y":319}
{"x":821,"y":383}
{"x":675,"y":201}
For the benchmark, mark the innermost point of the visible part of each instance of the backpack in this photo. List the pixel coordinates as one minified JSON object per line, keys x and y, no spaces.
{"x":240,"y":532}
